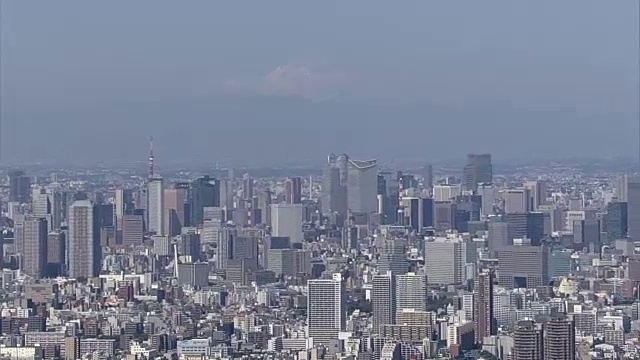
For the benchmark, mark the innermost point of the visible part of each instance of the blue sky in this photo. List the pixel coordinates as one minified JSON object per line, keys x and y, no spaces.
{"x":69,"y":67}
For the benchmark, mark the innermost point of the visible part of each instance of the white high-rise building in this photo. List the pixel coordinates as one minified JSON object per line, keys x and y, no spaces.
{"x":445,"y":260}
{"x":286,"y":221}
{"x":326,"y":309}
{"x":446,"y":192}
{"x":155,"y":205}
{"x":411,"y":291}
{"x":34,"y":246}
{"x":488,"y":197}
{"x":40,"y":206}
{"x":83,"y":246}
{"x":362,"y":186}
{"x":621,"y":188}
{"x":516,"y":201}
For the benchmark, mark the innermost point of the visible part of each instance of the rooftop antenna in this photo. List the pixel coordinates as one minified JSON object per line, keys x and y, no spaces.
{"x":151,"y":158}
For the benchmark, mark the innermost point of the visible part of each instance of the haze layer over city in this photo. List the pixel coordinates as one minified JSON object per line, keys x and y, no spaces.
{"x":356,"y":180}
{"x":419,"y":80}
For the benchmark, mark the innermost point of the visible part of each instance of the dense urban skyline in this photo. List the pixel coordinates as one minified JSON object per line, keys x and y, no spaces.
{"x":350,"y":180}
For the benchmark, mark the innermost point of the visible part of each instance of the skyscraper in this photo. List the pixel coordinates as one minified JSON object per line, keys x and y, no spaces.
{"x":477,"y":170}
{"x":616,"y":220}
{"x":174,"y":211}
{"x":204,"y":192}
{"x":537,"y":193}
{"x":362,"y":186}
{"x":483,"y":305}
{"x":123,"y":204}
{"x":392,"y":257}
{"x":523,"y":266}
{"x":247,"y":187}
{"x":334,"y":195}
{"x":56,"y":253}
{"x":501,"y":234}
{"x":559,"y":338}
{"x":155,"y":205}
{"x":19,"y":187}
{"x":383,"y":301}
{"x":427,"y":181}
{"x":633,"y":207}
{"x":445,"y":260}
{"x":326,"y":309}
{"x":516,"y":201}
{"x":488,"y":195}
{"x":411,"y":291}
{"x":286,"y":220}
{"x":84,"y":243}
{"x":293,"y":190}
{"x":34,"y":252}
{"x":527,"y":341}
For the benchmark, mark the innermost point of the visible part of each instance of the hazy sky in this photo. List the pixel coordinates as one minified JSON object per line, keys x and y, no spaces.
{"x":254,"y":82}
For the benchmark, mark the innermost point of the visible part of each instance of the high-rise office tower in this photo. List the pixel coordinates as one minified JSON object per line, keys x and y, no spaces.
{"x":174,"y":211}
{"x":559,"y":338}
{"x":383,"y":300}
{"x":34,"y":252}
{"x":446,"y":192}
{"x":56,"y":254}
{"x":40,"y":205}
{"x":334,"y":188}
{"x":225,"y":246}
{"x":264,"y":205}
{"x":411,"y":291}
{"x":19,"y":187}
{"x":477,"y":170}
{"x":527,"y":225}
{"x":516,"y":201}
{"x":537,"y":193}
{"x":488,"y":197}
{"x":342,"y":163}
{"x":123,"y":204}
{"x":523,"y":266}
{"x":326,"y":309}
{"x":444,"y":215}
{"x":247,"y":187}
{"x":132,"y":229}
{"x":417,"y":213}
{"x":587,"y":232}
{"x":633,"y":207}
{"x":616,"y":220}
{"x":501,"y":234}
{"x":527,"y":341}
{"x":362,"y":186}
{"x":427,"y":179}
{"x":445,"y":260}
{"x":155,"y":207}
{"x":47,"y":203}
{"x":84,"y":243}
{"x":293,"y":190}
{"x":204,"y":192}
{"x":226,"y":194}
{"x":388,"y":198}
{"x":483,"y":305}
{"x":286,"y":220}
{"x":621,"y":188}
{"x":392,"y":256}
